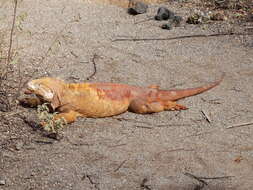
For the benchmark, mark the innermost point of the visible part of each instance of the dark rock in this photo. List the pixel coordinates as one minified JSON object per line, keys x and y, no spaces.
{"x":3,"y":107}
{"x":164,"y":14}
{"x":137,"y":8}
{"x":2,"y":182}
{"x":177,"y":20}
{"x":167,"y":26}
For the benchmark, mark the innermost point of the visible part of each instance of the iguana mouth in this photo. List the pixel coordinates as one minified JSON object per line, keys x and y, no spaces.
{"x":27,"y":91}
{"x":30,"y":92}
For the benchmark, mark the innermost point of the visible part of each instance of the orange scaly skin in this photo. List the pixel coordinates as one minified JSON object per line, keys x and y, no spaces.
{"x":105,"y":99}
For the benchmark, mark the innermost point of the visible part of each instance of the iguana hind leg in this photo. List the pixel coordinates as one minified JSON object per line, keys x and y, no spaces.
{"x":143,"y":106}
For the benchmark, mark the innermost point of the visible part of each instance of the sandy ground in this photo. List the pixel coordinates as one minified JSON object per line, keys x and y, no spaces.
{"x":59,"y":38}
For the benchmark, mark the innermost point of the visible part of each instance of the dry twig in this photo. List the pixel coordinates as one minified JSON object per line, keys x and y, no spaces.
{"x":180,"y":37}
{"x":12,"y":30}
{"x":144,"y":185}
{"x":8,"y":60}
{"x":94,"y":66}
{"x":91,"y":181}
{"x":201,"y":181}
{"x":240,"y":125}
{"x":207,"y":118}
{"x":5,"y":100}
{"x":121,"y":164}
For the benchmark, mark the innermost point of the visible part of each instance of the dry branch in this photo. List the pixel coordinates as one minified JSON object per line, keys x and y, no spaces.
{"x":180,"y":37}
{"x":12,"y":30}
{"x":121,"y":164}
{"x":5,"y":91}
{"x":240,"y":125}
{"x":201,"y":181}
{"x":94,"y":66}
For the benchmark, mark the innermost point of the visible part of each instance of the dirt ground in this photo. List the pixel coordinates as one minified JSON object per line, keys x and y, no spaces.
{"x":130,"y":151}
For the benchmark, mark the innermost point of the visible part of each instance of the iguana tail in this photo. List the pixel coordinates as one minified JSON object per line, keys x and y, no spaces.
{"x":177,"y":94}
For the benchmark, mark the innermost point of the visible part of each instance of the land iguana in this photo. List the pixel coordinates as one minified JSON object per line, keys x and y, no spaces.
{"x":72,"y":100}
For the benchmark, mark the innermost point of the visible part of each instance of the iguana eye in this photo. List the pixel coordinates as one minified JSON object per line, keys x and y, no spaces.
{"x":46,"y":92}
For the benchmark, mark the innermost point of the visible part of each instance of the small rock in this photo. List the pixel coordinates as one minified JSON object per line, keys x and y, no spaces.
{"x":136,"y":8}
{"x":167,"y":26}
{"x":164,"y":14}
{"x":19,"y":145}
{"x":177,"y":20}
{"x":2,"y":182}
{"x":3,"y":107}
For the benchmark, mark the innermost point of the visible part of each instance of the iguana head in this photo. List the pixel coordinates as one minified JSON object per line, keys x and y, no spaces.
{"x":47,"y":89}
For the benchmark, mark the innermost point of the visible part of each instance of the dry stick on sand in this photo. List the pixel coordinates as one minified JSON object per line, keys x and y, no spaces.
{"x":222,"y":177}
{"x":202,"y":182}
{"x":121,"y":164}
{"x":206,"y":178}
{"x":91,"y":181}
{"x":94,"y":66}
{"x":8,"y":60}
{"x":179,"y":37}
{"x":12,"y":30}
{"x":201,"y":179}
{"x":206,"y":117}
{"x":240,"y":125}
{"x":144,"y":185}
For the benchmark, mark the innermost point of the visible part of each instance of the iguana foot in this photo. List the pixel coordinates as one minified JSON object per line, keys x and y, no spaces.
{"x":69,"y":117}
{"x":170,"y":105}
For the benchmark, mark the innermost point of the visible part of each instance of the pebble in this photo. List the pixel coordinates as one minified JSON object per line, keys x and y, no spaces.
{"x":137,"y":8}
{"x":19,"y":145}
{"x":164,"y":14}
{"x":2,"y":182}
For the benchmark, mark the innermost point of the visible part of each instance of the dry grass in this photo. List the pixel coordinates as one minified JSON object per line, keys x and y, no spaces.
{"x":10,"y":73}
{"x":229,"y":4}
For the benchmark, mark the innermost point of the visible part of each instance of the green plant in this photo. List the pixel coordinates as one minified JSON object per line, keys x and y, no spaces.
{"x":47,"y":119}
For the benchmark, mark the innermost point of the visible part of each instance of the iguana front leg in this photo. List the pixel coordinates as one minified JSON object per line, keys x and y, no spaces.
{"x":143,"y":106}
{"x":69,"y":116}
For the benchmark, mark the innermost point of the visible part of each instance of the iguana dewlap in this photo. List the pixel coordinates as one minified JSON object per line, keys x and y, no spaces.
{"x":104,"y":99}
